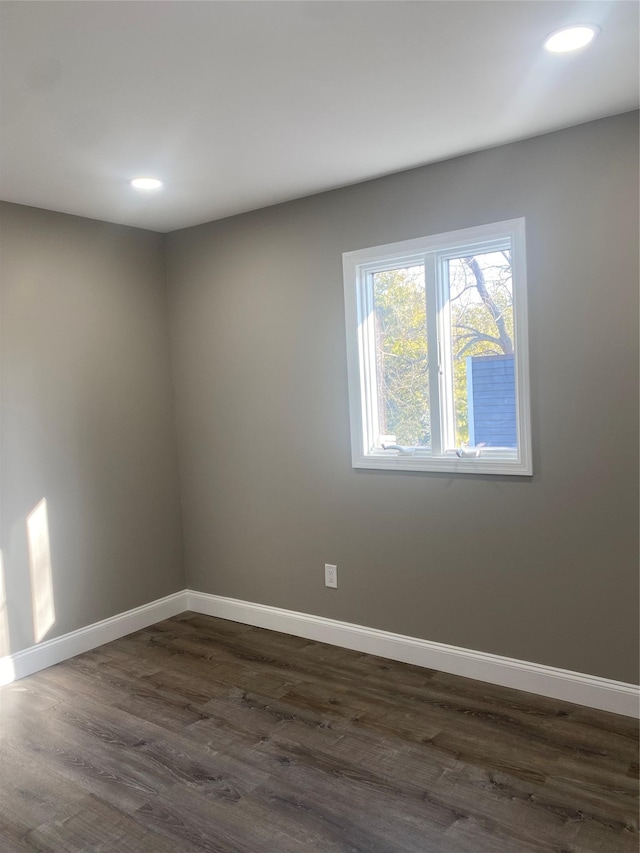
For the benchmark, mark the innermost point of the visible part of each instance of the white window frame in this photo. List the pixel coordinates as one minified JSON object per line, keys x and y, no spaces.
{"x":433,"y":252}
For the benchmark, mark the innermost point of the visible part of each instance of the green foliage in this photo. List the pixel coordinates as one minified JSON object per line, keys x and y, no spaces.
{"x":401,"y":351}
{"x":481,"y":320}
{"x":473,"y":326}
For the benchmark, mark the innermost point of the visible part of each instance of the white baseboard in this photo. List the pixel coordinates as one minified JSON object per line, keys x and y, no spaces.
{"x":592,"y":691}
{"x":589,"y":690}
{"x":69,"y":645}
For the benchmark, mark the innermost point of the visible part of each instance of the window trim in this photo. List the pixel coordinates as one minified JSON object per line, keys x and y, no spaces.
{"x":431,"y":251}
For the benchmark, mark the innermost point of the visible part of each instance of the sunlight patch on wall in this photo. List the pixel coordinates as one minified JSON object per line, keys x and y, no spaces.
{"x":40,"y":571}
{"x":5,"y":646}
{"x":7,"y":673}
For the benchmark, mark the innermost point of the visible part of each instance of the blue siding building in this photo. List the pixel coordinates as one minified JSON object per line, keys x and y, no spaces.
{"x":491,"y":400}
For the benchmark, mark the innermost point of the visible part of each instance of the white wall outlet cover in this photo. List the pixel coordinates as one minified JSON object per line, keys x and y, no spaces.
{"x":331,"y":576}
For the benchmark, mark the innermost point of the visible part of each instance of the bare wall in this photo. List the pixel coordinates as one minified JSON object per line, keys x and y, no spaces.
{"x":87,"y":418}
{"x":542,"y":569}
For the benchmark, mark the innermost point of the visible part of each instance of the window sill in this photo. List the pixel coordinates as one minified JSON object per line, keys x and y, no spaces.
{"x":397,"y":461}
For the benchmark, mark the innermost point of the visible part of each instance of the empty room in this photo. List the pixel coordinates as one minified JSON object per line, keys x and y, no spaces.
{"x":319,"y":426}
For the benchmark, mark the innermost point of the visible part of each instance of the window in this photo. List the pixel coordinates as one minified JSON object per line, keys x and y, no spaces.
{"x":437,"y":352}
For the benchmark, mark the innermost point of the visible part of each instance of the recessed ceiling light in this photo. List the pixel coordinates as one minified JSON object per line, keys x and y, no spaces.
{"x":570,"y":38}
{"x":146,"y":183}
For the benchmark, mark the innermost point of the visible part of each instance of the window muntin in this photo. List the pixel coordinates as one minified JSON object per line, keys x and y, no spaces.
{"x":437,"y":352}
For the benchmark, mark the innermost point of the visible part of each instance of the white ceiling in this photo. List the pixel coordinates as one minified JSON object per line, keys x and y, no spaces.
{"x":237,"y":105}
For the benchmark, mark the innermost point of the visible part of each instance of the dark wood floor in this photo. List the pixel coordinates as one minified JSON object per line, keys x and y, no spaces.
{"x":200,"y":734}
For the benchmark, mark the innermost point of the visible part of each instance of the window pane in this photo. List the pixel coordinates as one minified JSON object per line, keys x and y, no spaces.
{"x":482,"y":350}
{"x":402,"y":367}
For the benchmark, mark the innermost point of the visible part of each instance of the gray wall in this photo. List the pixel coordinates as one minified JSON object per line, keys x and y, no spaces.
{"x":87,"y":416}
{"x":543,"y":569}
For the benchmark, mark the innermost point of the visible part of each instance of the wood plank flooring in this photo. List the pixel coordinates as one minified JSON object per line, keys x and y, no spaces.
{"x":204,"y":735}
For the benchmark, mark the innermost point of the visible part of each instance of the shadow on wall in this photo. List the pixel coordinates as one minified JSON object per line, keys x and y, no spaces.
{"x":40,"y":577}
